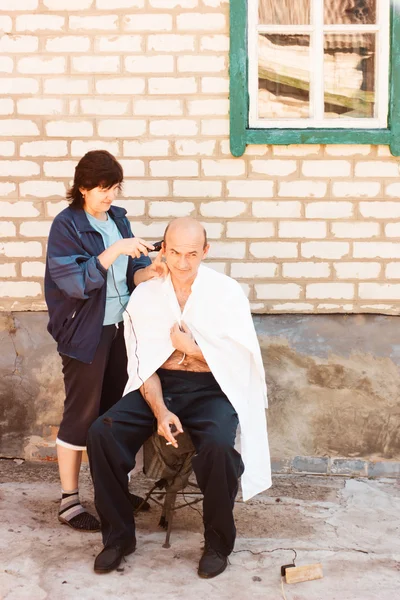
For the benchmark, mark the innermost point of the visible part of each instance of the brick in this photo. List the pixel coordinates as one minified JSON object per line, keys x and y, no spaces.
{"x":302,"y":189}
{"x":66,"y":86}
{"x":275,"y":291}
{"x":18,"y":127}
{"x":384,"y":469}
{"x":392,"y":270}
{"x":172,"y":85}
{"x":380,"y":210}
{"x":337,"y":291}
{"x":329,"y":210}
{"x":324,"y":249}
{"x":68,"y":43}
{"x":8,"y":270}
{"x":173,"y":3}
{"x":20,"y":289}
{"x":170,"y":209}
{"x":214,"y":230}
{"x":149,"y":64}
{"x":378,"y":168}
{"x":93,"y":23}
{"x":124,"y":128}
{"x":197,"y":189}
{"x":145,"y":189}
{"x":39,"y":22}
{"x":302,"y":229}
{"x":393,"y":190}
{"x":79,"y":147}
{"x":65,"y":168}
{"x":251,"y":149}
{"x":39,"y":106}
{"x":170,"y":127}
{"x":392,"y":230}
{"x":7,"y":188}
{"x":10,"y":44}
{"x":208,"y":107}
{"x":357,"y":270}
{"x":95,"y":64}
{"x":271,"y":209}
{"x":10,"y":5}
{"x":75,"y":129}
{"x":34,"y":229}
{"x":154,"y":148}
{"x":309,"y":464}
{"x":376,"y":250}
{"x":6,"y":64}
{"x":296,"y":150}
{"x":379,"y":291}
{"x":69,"y":5}
{"x":215,"y":3}
{"x":19,"y":85}
{"x":292,"y":307}
{"x":247,"y":289}
{"x":120,"y":86}
{"x":42,"y":189}
{"x":201,"y":22}
{"x":157,"y":107}
{"x":7,"y":229}
{"x":54,"y":208}
{"x":249,"y":229}
{"x":150,"y":231}
{"x":224,"y":167}
{"x":118,"y":43}
{"x":134,"y":208}
{"x":18,"y":168}
{"x":326,"y":168}
{"x":345,"y":466}
{"x":347,"y":149}
{"x":220,"y":267}
{"x":133,"y":168}
{"x":171,"y":43}
{"x":276,"y":167}
{"x":215,"y":85}
{"x":18,"y":209}
{"x":274,"y":249}
{"x":16,"y":249}
{"x":201,"y":64}
{"x":250,"y":189}
{"x":355,"y":229}
{"x":215,"y":43}
{"x":253,"y":270}
{"x":223,"y":208}
{"x":96,"y":106}
{"x":41,"y":65}
{"x":309,"y":270}
{"x":195,"y":148}
{"x":354,"y":189}
{"x":215,"y":127}
{"x":174,"y":168}
{"x":227,"y":250}
{"x":7,"y":148}
{"x":6,"y":106}
{"x":152,"y":22}
{"x":33,"y":269}
{"x":105,"y":4}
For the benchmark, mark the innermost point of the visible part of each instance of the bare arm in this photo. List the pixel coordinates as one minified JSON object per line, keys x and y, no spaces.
{"x":152,"y":393}
{"x":130,"y":246}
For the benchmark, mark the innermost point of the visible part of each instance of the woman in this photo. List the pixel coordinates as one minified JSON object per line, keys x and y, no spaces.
{"x":93,"y":263}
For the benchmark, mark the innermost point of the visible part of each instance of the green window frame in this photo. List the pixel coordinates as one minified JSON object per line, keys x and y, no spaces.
{"x":241,"y":134}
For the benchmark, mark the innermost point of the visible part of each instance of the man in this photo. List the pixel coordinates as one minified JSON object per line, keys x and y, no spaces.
{"x":193,"y":362}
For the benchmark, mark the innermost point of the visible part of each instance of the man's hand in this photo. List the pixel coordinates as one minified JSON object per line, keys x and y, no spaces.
{"x":163,"y":427}
{"x":182,"y":339}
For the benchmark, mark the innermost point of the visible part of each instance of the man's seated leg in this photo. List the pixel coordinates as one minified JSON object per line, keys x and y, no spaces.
{"x":113,"y":442}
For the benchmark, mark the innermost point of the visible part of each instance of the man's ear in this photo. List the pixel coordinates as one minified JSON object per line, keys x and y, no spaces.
{"x":205,"y":251}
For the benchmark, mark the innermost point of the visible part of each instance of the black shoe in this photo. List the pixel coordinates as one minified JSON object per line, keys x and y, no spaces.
{"x":212,"y":563}
{"x":138,"y":503}
{"x":110,"y":557}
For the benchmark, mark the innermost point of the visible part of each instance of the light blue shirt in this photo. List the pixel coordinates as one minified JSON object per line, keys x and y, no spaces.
{"x":117,"y":288}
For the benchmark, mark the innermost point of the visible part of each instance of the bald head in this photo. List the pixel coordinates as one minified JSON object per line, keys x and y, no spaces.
{"x":185,"y":230}
{"x":185,"y":246}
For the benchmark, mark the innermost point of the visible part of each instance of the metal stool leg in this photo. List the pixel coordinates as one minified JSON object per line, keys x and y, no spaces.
{"x":169,"y":507}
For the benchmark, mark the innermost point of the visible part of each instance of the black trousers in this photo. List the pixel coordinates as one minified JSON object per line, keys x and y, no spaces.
{"x":208,"y":416}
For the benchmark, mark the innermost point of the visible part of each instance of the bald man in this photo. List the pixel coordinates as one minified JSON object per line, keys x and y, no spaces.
{"x":194,"y":363}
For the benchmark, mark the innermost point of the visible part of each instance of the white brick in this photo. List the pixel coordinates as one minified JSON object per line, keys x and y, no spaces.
{"x":145,"y":189}
{"x":150,"y":231}
{"x":124,"y":128}
{"x":214,"y":230}
{"x":276,"y":167}
{"x":253,"y":270}
{"x":215,"y":85}
{"x":19,"y":85}
{"x":379,"y":291}
{"x":7,"y":148}
{"x":296,"y":150}
{"x":155,"y":148}
{"x":8,"y":270}
{"x":42,"y":189}
{"x":353,"y":189}
{"x":68,"y":43}
{"x":75,"y":129}
{"x":64,"y":168}
{"x":224,"y":167}
{"x":18,"y":127}
{"x":120,"y":86}
{"x":357,"y":270}
{"x":120,"y":43}
{"x":172,"y":85}
{"x":149,"y":64}
{"x":302,"y":189}
{"x":170,"y":43}
{"x":173,"y":3}
{"x":215,"y":3}
{"x":274,"y":291}
{"x":6,"y":64}
{"x":215,"y":43}
{"x":119,"y":4}
{"x":309,"y":270}
{"x":201,"y":22}
{"x":10,"y":5}
{"x":194,"y":147}
{"x":18,"y":168}
{"x":392,"y":230}
{"x":384,"y":151}
{"x":54,"y":208}
{"x":223,"y":208}
{"x":40,"y":106}
{"x":250,"y":189}
{"x":324,"y":249}
{"x":21,"y":249}
{"x":79,"y":147}
{"x":377,"y":307}
{"x":170,"y":209}
{"x":376,"y":250}
{"x":355,"y":229}
{"x":197,"y":189}
{"x":347,"y":149}
{"x":69,"y":5}
{"x":41,"y":65}
{"x":39,"y":22}
{"x":34,"y":229}
{"x":393,"y":190}
{"x":152,"y":22}
{"x":215,"y":127}
{"x":7,"y":229}
{"x":248,"y":229}
{"x":20,"y":289}
{"x":208,"y":107}
{"x":157,"y":107}
{"x":7,"y":188}
{"x":337,"y":291}
{"x":18,"y":43}
{"x":174,"y":168}
{"x":66,"y":86}
{"x":220,"y":267}
{"x":95,"y":64}
{"x":201,"y":64}
{"x":326,"y":168}
{"x":133,"y":168}
{"x":5,"y":23}
{"x":6,"y":106}
{"x":251,"y":149}
{"x":170,"y":127}
{"x":302,"y":229}
{"x":227,"y":250}
{"x":380,"y":210}
{"x":377,"y":169}
{"x":33,"y":269}
{"x":18,"y":209}
{"x":392,"y":270}
{"x":94,"y":23}
{"x":285,"y":209}
{"x":294,"y":307}
{"x":329,"y":210}
{"x":274,"y":249}
{"x":96,"y":106}
{"x":134,"y":208}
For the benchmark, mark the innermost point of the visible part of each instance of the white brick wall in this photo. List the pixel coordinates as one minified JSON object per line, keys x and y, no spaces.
{"x":306,"y":228}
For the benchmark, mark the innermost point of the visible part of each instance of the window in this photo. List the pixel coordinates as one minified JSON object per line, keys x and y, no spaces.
{"x":315,"y":71}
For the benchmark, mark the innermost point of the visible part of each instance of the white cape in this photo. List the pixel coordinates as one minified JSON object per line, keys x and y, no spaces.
{"x":218,"y":315}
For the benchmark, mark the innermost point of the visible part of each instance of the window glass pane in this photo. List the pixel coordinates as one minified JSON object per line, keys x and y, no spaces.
{"x":284,"y":12}
{"x":350,"y":12}
{"x":349,"y":76}
{"x":283,"y":76}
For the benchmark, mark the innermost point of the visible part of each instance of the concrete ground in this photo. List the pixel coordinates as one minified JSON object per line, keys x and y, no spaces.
{"x":351,"y":526}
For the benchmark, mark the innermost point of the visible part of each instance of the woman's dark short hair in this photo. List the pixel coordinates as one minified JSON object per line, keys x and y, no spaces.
{"x":98,"y":168}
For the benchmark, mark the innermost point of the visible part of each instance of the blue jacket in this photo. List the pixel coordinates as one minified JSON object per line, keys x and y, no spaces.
{"x":75,"y":281}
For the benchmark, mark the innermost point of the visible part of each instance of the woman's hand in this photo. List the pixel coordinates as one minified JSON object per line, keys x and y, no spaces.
{"x":158,"y":268}
{"x":134,"y":247}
